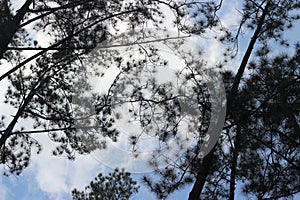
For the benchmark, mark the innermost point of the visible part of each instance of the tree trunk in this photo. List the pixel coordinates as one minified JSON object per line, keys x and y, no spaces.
{"x":201,"y":176}
{"x":241,"y":70}
{"x":234,"y":162}
{"x":207,"y":161}
{"x":10,"y":26}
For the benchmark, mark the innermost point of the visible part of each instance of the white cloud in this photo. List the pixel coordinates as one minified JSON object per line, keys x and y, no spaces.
{"x":57,"y":176}
{"x":213,"y":49}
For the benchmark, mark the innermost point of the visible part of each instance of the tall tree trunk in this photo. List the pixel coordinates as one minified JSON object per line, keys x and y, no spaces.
{"x":235,"y":155}
{"x":10,"y":26}
{"x":201,"y":176}
{"x":207,"y":161}
{"x":241,"y":70}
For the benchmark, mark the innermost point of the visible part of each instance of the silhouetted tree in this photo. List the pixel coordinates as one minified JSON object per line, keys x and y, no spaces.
{"x":259,"y":145}
{"x":117,"y":185}
{"x":217,"y":172}
{"x":42,"y":85}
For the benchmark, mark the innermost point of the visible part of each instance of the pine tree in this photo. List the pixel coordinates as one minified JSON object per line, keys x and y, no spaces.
{"x":116,"y":185}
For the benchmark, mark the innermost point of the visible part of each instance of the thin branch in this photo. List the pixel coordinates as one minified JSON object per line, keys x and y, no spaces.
{"x":282,"y":195}
{"x":69,"y":5}
{"x":100,"y":47}
{"x":275,"y":151}
{"x":62,"y":41}
{"x":34,"y":19}
{"x":53,"y":130}
{"x":47,"y":48}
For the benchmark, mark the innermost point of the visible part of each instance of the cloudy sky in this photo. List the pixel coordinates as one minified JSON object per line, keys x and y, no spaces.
{"x":49,"y":177}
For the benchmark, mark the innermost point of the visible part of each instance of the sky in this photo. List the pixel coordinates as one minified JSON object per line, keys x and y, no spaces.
{"x":52,"y":178}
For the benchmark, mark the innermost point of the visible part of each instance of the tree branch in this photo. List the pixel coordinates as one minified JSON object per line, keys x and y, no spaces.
{"x":61,"y":42}
{"x":275,"y":151}
{"x":10,"y":27}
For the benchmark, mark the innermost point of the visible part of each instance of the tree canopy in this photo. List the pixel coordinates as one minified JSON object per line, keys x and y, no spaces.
{"x":117,"y":185}
{"x":43,"y":90}
{"x":258,"y":150}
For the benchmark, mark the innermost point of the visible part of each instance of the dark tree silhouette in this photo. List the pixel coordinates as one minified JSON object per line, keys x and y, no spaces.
{"x":42,"y":85}
{"x":217,"y":172}
{"x":259,"y":146}
{"x":117,"y":185}
{"x":265,"y":157}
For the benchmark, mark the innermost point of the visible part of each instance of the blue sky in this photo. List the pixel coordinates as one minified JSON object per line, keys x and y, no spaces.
{"x":51,"y":178}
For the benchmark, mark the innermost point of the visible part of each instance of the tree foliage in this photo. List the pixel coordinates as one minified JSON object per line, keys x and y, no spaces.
{"x":258,"y":150}
{"x":274,"y":128}
{"x":117,"y":185}
{"x":41,"y":84}
{"x":218,"y":173}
